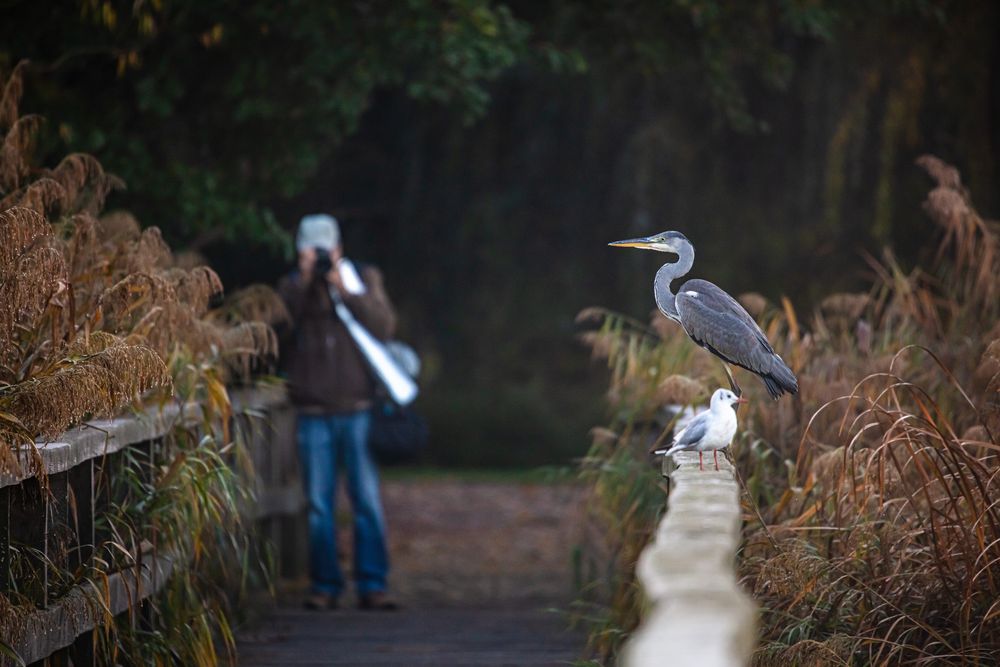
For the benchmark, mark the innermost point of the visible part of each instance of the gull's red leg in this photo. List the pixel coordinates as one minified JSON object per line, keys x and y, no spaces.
{"x":700,"y":466}
{"x":715,"y":455}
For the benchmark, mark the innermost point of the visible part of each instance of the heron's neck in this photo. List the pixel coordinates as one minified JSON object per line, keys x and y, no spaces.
{"x":665,"y":297}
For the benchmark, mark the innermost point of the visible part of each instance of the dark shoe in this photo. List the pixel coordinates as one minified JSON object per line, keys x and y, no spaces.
{"x":377,"y":601}
{"x":320,"y":601}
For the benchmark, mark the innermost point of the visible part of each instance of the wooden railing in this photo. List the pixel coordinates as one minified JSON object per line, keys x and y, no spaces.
{"x":699,"y":616}
{"x":55,"y":527}
{"x":280,"y":503}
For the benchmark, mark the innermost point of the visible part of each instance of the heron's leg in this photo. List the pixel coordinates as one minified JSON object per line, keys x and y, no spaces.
{"x":715,"y":455}
{"x":732,"y":381}
{"x":700,"y":466}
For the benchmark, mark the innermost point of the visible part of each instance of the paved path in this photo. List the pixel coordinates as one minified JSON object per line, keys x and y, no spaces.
{"x":479,"y":568}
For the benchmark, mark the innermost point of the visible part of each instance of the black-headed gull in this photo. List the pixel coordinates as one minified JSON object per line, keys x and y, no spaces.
{"x":712,"y":429}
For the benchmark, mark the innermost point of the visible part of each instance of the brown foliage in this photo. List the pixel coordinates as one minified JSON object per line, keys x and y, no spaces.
{"x":680,"y":390}
{"x":79,"y":171}
{"x":257,"y":303}
{"x":44,"y":196}
{"x":118,"y":226}
{"x":99,"y":384}
{"x":19,"y":228}
{"x":879,"y":480}
{"x":972,"y":243}
{"x":246,"y":342}
{"x":196,"y":287}
{"x":250,"y":339}
{"x":15,"y":150}
{"x":145,"y":254}
{"x":26,"y":288}
{"x":756,"y":304}
{"x":90,"y":308}
{"x":890,"y":532}
{"x":10,"y":98}
{"x":946,"y":175}
{"x":131,"y":298}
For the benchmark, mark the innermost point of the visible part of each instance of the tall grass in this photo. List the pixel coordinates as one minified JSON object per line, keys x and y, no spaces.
{"x":878,"y":480}
{"x":96,"y":317}
{"x":888,"y":526}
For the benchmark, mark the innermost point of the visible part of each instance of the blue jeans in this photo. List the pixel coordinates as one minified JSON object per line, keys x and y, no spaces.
{"x":325,"y":443}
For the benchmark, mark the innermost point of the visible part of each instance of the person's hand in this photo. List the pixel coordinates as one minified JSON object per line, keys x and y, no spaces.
{"x":307,"y":260}
{"x":333,"y":277}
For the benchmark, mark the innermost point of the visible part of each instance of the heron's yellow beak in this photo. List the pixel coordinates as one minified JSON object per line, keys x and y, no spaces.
{"x":644,"y":243}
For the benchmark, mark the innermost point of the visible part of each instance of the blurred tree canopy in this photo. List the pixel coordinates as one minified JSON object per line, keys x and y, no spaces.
{"x":483,"y":153}
{"x":211,"y":108}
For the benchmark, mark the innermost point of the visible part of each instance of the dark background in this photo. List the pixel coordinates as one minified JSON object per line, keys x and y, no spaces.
{"x":483,"y":154}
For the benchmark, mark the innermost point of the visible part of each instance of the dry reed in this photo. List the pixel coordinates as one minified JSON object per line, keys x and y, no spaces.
{"x":91,"y":308}
{"x":96,"y":385}
{"x":15,"y":150}
{"x":10,"y":98}
{"x":93,"y":319}
{"x":257,"y":303}
{"x":879,"y":479}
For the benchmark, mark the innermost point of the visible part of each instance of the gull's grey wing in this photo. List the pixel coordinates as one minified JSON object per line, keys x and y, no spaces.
{"x":693,"y":433}
{"x":717,"y":322}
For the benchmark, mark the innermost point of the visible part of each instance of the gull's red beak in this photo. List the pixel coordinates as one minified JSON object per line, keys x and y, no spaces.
{"x":742,"y":400}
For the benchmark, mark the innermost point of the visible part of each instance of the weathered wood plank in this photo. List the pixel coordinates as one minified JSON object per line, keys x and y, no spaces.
{"x":81,"y":497}
{"x":57,"y":531}
{"x":99,"y":437}
{"x":82,"y":469}
{"x":28,"y":514}
{"x":258,"y":397}
{"x":45,"y":631}
{"x":6,"y":493}
{"x":281,"y":501}
{"x":105,"y":436}
{"x":446,"y":637}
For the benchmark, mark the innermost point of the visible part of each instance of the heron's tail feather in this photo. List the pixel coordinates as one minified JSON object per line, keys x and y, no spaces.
{"x":780,"y":379}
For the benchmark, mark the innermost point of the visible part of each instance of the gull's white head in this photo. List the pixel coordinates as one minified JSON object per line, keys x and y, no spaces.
{"x":725,"y":398}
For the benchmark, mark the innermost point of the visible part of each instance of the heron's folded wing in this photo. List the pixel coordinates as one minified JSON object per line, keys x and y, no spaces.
{"x":716,"y":321}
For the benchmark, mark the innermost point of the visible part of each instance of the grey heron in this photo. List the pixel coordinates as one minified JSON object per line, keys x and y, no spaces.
{"x":712,"y":429}
{"x":713,"y":319}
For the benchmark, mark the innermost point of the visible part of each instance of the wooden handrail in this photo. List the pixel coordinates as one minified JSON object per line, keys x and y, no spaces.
{"x":699,"y":615}
{"x":57,"y":626}
{"x":39,"y":518}
{"x":96,"y":438}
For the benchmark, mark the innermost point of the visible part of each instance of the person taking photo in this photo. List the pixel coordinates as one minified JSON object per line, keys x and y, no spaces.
{"x":332,"y":390}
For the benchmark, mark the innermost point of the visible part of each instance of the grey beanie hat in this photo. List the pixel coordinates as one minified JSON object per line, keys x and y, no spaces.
{"x":318,"y":231}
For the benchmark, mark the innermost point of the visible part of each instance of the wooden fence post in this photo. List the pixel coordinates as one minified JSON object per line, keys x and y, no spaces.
{"x":5,"y":495}
{"x":28,"y":516}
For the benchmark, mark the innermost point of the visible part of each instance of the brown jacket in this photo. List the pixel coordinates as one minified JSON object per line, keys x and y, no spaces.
{"x":326,"y":372}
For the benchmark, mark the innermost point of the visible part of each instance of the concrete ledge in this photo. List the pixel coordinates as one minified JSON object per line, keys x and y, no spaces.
{"x":699,"y":615}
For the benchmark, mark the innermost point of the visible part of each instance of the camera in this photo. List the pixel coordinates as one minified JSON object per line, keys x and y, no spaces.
{"x":323,"y":262}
